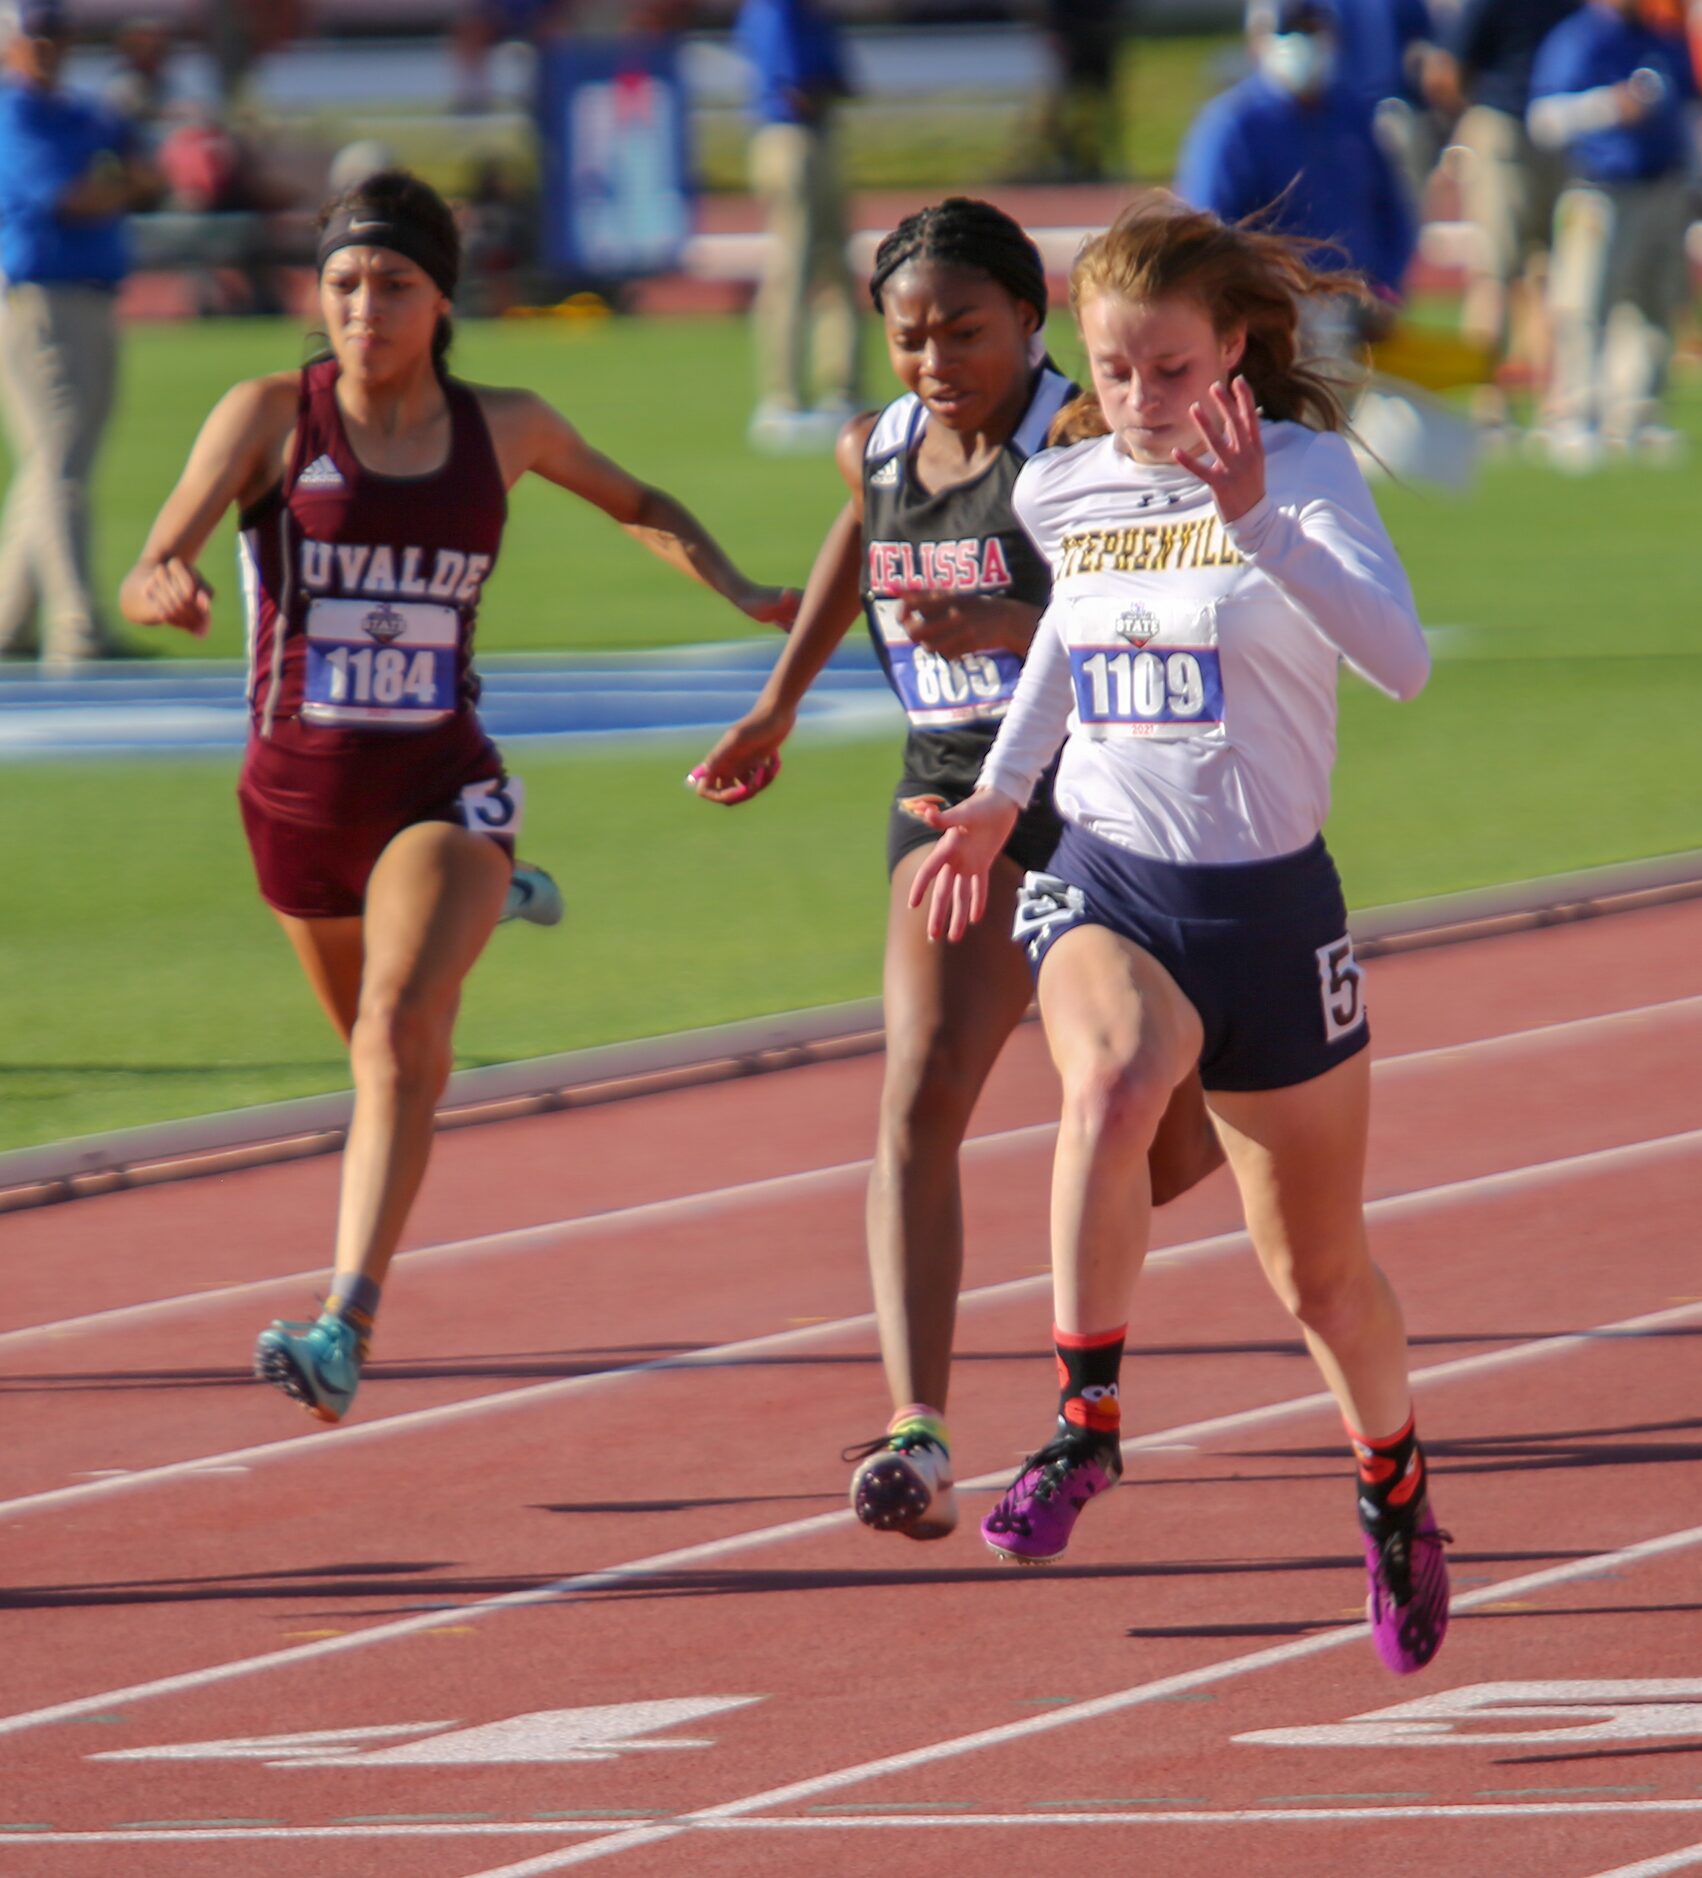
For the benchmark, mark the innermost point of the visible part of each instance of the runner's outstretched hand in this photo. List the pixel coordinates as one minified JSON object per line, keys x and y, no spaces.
{"x":957,"y":865}
{"x":1231,"y":428}
{"x":771,"y":606}
{"x":745,"y":760}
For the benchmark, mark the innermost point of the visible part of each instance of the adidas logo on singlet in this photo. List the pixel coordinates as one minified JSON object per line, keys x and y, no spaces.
{"x":321,"y":473}
{"x":886,"y":475}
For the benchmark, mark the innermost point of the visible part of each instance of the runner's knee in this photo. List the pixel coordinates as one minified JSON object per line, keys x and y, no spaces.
{"x":1114,"y":1102}
{"x":402,"y":1039}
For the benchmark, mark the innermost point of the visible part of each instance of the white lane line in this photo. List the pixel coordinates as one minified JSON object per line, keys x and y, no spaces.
{"x":1420,"y":1201}
{"x":1685,"y":1859}
{"x":1121,"y":1700}
{"x":649,"y":1213}
{"x":881,"y":1822}
{"x":811,"y":1526}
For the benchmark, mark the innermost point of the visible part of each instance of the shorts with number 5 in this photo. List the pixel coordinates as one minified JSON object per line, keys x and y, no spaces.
{"x":318,"y":868}
{"x":1260,"y":949}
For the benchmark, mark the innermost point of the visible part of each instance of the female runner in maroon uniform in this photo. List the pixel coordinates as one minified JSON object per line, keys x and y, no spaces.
{"x":373,"y":488}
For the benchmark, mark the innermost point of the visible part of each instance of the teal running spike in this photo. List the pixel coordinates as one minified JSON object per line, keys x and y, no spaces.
{"x":532,"y":896}
{"x":317,"y":1365}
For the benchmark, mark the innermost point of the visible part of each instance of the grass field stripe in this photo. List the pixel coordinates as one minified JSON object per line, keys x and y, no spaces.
{"x":1277,"y":1657}
{"x":647,"y":1213}
{"x":1419,"y":1201}
{"x":1686,"y":1858}
{"x":810,"y":1526}
{"x":927,"y":1821}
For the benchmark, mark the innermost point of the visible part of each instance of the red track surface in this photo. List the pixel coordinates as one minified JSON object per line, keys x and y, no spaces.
{"x":524,"y":1520}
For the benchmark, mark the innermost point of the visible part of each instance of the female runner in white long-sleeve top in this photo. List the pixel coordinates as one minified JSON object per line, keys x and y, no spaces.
{"x":1214,"y":558}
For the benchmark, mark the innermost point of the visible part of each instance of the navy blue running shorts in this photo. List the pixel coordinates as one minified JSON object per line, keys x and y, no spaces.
{"x":1260,"y":949}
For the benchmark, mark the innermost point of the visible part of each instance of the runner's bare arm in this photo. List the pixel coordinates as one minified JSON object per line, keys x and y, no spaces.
{"x":531,"y":436}
{"x":236,"y":458}
{"x":829,"y":606}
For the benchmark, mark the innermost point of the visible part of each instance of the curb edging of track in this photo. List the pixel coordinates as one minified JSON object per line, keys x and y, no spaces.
{"x":201,"y":1145}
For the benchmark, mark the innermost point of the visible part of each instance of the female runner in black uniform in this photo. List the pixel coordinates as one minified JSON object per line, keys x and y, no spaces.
{"x":373,"y":488}
{"x":952,"y":589}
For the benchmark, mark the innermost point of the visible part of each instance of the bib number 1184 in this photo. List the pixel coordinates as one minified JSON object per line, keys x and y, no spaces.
{"x":381,"y":675}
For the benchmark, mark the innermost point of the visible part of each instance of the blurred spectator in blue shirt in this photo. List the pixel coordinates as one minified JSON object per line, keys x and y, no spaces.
{"x":1481,"y":76}
{"x":67,"y":177}
{"x":1618,"y":97}
{"x":1385,"y":45}
{"x":1294,"y":140}
{"x":798,"y":77}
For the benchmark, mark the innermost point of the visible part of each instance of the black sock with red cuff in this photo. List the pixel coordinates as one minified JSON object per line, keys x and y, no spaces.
{"x":1087,"y":1381}
{"x":1392,"y":1476}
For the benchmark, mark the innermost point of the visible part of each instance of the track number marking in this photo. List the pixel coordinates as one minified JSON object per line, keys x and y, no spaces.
{"x":1513,"y":1714}
{"x":562,"y":1734}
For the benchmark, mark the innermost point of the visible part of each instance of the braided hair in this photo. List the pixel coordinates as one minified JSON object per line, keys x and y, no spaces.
{"x":962,"y":232}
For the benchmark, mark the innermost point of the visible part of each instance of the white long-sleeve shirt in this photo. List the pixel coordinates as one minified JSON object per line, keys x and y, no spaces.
{"x":1192,"y":663}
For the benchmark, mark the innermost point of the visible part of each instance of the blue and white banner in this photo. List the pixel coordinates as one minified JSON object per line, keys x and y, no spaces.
{"x":616,"y":196}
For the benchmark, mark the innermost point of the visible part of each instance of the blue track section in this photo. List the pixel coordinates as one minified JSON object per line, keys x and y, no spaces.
{"x":170,"y":707}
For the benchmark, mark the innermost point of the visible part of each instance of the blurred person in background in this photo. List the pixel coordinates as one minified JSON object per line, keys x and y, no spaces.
{"x":1381,"y":46}
{"x":139,"y":90}
{"x":68,"y":176}
{"x":1078,"y":128}
{"x":241,"y":32}
{"x":212,"y":170}
{"x":1296,"y":145}
{"x":480,"y":26}
{"x":1613,"y":87}
{"x":1481,"y":76}
{"x":497,"y":216}
{"x":805,"y":391}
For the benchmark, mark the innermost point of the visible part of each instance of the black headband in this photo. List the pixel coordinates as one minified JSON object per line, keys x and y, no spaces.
{"x":360,"y":227}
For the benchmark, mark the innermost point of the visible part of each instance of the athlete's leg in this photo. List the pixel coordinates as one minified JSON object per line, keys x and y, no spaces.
{"x":391,"y":983}
{"x":331,"y":952}
{"x":1298,"y":1155}
{"x":431,"y":904}
{"x":1123,"y":1036}
{"x":948,"y":1012}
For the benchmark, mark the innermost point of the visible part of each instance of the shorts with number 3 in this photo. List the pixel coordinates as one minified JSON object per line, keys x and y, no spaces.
{"x":1259,"y":948}
{"x":314,"y":863}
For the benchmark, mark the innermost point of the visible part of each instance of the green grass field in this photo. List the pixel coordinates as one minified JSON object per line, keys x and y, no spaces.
{"x":142,"y":979}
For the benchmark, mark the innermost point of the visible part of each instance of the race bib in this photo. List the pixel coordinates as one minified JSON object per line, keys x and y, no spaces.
{"x":1137,"y":675}
{"x":938,"y":693}
{"x":382,"y":664}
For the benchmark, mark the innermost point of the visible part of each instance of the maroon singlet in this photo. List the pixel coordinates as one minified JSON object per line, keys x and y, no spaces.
{"x":361,"y":593}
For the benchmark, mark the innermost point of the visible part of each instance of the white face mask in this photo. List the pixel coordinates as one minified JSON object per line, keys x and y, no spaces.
{"x":1301,"y":63}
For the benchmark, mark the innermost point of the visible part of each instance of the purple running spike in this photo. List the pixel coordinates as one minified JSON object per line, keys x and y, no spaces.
{"x":1032,"y":1524}
{"x":1408,"y":1603}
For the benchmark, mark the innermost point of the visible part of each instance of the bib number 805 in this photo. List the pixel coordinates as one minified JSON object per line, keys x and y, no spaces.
{"x":955,"y":681}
